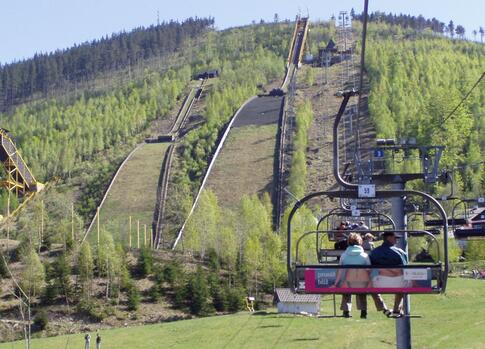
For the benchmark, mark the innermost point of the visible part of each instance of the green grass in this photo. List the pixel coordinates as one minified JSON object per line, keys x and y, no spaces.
{"x":455,"y":320}
{"x":133,"y":193}
{"x":245,"y":164}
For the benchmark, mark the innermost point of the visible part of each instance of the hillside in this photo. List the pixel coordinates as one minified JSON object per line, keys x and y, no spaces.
{"x":247,"y":161}
{"x":417,"y":80}
{"x":98,"y":64}
{"x":446,"y":323}
{"x":134,"y":195}
{"x":229,"y":248}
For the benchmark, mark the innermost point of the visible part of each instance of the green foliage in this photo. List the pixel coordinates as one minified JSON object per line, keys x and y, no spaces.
{"x":86,"y":267}
{"x":235,"y":299}
{"x":217,"y":293}
{"x":475,"y":250}
{"x":298,"y":173}
{"x":416,"y":83}
{"x":145,"y":262}
{"x":59,"y":281}
{"x":197,"y":293}
{"x":3,"y":267}
{"x":33,"y":274}
{"x":133,"y":298}
{"x":238,"y":80}
{"x":172,"y":272}
{"x":203,"y":226}
{"x":246,"y":243}
{"x":93,"y":309}
{"x":41,"y":321}
{"x":309,"y":76}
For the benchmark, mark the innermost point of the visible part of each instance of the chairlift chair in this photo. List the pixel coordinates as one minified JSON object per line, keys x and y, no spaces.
{"x":323,"y":277}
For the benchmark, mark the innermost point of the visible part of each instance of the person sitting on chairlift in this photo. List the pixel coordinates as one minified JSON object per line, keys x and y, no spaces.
{"x":368,"y":243}
{"x":389,"y":255}
{"x":361,"y":226}
{"x":341,"y":237}
{"x":354,"y":255}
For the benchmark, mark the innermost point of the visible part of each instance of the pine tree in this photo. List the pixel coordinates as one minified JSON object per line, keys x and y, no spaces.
{"x":197,"y":293}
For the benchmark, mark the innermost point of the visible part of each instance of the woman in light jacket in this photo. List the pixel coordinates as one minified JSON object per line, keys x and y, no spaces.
{"x":354,"y":278}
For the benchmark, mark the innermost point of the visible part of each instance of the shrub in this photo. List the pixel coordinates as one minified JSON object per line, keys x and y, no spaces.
{"x":3,"y":268}
{"x":145,"y":262}
{"x":41,"y":321}
{"x":133,"y":298}
{"x":219,"y":299}
{"x":198,"y":293}
{"x":235,"y":299}
{"x":91,"y":309}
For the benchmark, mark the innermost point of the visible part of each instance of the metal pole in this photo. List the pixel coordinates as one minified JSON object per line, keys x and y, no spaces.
{"x":41,"y":224}
{"x":72,"y":221}
{"x":403,"y":324}
{"x":138,"y":234}
{"x":97,"y":214}
{"x":144,"y":235}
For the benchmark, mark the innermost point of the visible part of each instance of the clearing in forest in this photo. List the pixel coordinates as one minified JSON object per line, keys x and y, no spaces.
{"x":133,"y":193}
{"x":246,"y":163}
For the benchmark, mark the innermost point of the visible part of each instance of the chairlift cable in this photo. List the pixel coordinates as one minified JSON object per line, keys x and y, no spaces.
{"x":361,"y":79}
{"x":465,"y":98}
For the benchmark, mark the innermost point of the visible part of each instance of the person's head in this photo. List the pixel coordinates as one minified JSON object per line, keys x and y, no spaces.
{"x":355,"y":239}
{"x":369,"y":237}
{"x":361,"y":223}
{"x":390,"y":237}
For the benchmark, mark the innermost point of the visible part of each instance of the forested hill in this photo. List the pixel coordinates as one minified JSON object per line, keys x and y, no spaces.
{"x":417,"y":80}
{"x":44,"y":72}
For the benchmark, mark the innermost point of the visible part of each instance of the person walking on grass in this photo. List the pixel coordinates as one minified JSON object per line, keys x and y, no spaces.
{"x":87,"y":341}
{"x":98,"y":341}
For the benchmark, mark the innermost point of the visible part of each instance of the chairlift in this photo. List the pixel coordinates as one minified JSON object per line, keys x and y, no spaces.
{"x":337,"y":214}
{"x":472,"y":225}
{"x":323,"y":277}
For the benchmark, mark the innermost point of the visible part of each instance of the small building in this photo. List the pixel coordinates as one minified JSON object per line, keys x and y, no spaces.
{"x":331,"y":47}
{"x":294,"y":303}
{"x":208,"y":74}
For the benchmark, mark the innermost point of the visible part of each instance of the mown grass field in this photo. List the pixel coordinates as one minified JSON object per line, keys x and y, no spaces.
{"x":245,"y":165}
{"x":133,"y":193}
{"x":455,"y":321}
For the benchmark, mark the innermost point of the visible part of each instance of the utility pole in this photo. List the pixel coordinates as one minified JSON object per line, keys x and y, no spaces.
{"x":403,"y":324}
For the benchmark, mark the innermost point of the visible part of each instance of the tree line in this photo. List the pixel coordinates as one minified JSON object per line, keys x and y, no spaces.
{"x":47,"y":71}
{"x":419,"y":23}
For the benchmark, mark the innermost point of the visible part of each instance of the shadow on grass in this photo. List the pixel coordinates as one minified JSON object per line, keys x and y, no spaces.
{"x":306,"y":339}
{"x":264,"y":313}
{"x":270,"y":326}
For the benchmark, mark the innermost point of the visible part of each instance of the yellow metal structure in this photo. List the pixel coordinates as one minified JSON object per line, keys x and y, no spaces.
{"x":298,"y":40}
{"x":19,"y":179}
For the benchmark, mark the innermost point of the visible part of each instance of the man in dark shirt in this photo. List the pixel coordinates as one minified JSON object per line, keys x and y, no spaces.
{"x":389,"y":255}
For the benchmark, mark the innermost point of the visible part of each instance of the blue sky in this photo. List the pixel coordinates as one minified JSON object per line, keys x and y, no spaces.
{"x":31,"y":26}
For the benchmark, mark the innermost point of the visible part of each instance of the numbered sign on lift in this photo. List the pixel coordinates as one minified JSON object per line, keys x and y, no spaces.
{"x":367,"y":191}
